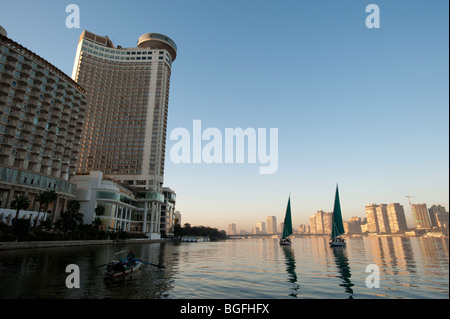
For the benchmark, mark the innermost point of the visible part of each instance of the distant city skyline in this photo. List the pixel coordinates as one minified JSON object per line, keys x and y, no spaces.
{"x":365,"y":108}
{"x":379,"y":219}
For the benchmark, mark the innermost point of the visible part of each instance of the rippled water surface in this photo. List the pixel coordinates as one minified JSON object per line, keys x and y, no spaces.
{"x":238,"y":269}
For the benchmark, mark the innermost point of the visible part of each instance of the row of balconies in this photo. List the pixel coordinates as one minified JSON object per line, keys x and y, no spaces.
{"x":64,"y":164}
{"x":67,"y":131}
{"x":29,"y":114}
{"x":28,"y":68}
{"x":64,"y":173}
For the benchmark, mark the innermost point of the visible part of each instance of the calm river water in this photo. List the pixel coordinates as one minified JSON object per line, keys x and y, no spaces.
{"x":238,"y":269}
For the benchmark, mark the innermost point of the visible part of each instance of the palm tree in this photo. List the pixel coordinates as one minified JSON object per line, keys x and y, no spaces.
{"x":19,"y":202}
{"x":45,"y":198}
{"x":99,"y":211}
{"x":73,"y":208}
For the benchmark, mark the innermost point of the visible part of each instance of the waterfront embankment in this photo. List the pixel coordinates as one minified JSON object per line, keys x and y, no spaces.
{"x":16,"y":245}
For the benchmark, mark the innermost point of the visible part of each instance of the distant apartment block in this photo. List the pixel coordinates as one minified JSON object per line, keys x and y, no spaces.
{"x":439,"y":217}
{"x":397,"y":219}
{"x":260,"y":228}
{"x":42,"y":113}
{"x":372,"y":220}
{"x":385,"y":218}
{"x":321,"y":222}
{"x":421,"y":216}
{"x":271,"y":225}
{"x":354,"y":225}
{"x":232,"y":229}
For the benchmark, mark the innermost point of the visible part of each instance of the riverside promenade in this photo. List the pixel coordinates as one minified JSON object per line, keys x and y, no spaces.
{"x":16,"y":245}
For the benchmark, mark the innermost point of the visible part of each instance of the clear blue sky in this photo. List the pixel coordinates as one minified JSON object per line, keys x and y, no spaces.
{"x":365,"y":108}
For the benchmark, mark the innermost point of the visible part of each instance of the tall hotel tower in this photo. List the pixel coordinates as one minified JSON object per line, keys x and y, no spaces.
{"x":124,"y":134}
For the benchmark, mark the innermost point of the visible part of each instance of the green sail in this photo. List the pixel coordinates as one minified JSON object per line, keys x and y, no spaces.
{"x":287,"y":230}
{"x":338,"y":225}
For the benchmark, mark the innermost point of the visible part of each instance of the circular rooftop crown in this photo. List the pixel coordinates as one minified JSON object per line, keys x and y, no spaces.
{"x":160,"y":41}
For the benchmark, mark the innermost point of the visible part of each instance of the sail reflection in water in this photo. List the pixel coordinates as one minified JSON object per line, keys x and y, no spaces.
{"x":340,"y":255}
{"x":252,"y":268}
{"x":290,"y":268}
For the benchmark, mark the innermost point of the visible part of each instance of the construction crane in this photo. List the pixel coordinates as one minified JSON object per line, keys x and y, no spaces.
{"x":409,"y":198}
{"x":416,"y":222}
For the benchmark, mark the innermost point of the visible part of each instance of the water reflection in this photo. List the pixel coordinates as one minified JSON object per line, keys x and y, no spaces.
{"x":290,"y":268}
{"x":340,"y":255}
{"x":252,"y":268}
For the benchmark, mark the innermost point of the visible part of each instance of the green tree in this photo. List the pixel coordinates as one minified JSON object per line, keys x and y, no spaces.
{"x":99,"y":211}
{"x":19,"y":202}
{"x":72,"y":214}
{"x":45,"y":199}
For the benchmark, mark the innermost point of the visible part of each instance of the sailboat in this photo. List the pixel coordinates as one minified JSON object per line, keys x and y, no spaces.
{"x":338,"y":225}
{"x":287,"y":230}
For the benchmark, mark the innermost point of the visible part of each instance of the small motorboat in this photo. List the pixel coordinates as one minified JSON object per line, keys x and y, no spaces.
{"x":121,"y":267}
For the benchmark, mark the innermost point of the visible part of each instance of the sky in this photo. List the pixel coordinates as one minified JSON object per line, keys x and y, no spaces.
{"x":364,"y":108}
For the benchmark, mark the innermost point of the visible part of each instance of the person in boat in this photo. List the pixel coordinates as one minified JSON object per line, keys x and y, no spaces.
{"x":131,"y":256}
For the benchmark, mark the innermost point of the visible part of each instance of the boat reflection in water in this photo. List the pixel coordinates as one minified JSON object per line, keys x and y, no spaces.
{"x":290,"y":268}
{"x":343,"y":266}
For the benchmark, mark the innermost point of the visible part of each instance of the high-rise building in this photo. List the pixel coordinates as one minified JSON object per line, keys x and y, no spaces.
{"x":232,"y":229}
{"x":124,"y":134}
{"x":271,"y":225}
{"x":372,"y":221}
{"x":319,"y":222}
{"x":382,"y":219}
{"x":354,"y":225}
{"x":303,"y":229}
{"x":397,"y":219}
{"x":327,"y":223}
{"x":421,"y":216}
{"x":438,"y":216}
{"x":312,"y":224}
{"x":41,"y":118}
{"x":260,"y":228}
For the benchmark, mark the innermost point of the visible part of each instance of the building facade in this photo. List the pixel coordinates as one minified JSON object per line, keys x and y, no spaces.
{"x":439,"y":217}
{"x":42,"y":114}
{"x":421,"y":216}
{"x":232,"y":229}
{"x":383,"y":219}
{"x":260,"y":228}
{"x":120,"y":205}
{"x":271,"y":225}
{"x":124,"y":134}
{"x":397,"y":218}
{"x":372,"y":220}
{"x":167,"y":222}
